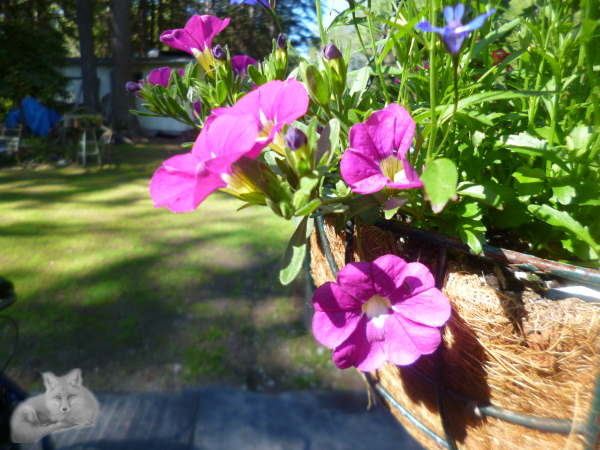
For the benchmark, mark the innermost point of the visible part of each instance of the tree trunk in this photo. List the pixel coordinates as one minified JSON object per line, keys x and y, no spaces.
{"x":122,"y":120}
{"x":88,"y":58}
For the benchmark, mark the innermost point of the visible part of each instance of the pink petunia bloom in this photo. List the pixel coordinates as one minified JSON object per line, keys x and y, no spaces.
{"x":385,"y":310}
{"x":161,"y":76}
{"x":376,"y":157}
{"x":182,"y":182}
{"x":240,"y":63}
{"x":196,"y":37}
{"x":272,"y":105}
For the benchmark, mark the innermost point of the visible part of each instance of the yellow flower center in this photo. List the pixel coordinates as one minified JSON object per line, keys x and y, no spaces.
{"x":377,"y":309}
{"x":393,"y":168}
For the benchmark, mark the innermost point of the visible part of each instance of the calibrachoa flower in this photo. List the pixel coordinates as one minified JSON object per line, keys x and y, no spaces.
{"x":454,"y":33}
{"x":161,"y":76}
{"x":376,"y":157}
{"x":196,"y":37}
{"x":182,"y":182}
{"x":133,"y":86}
{"x":385,"y":310}
{"x":251,"y":2}
{"x":240,"y":63}
{"x":271,"y":106}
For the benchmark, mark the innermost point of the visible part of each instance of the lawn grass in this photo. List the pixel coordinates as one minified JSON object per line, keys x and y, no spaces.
{"x":141,"y":298}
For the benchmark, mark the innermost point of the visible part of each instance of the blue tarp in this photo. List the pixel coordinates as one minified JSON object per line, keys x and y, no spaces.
{"x":38,"y":118}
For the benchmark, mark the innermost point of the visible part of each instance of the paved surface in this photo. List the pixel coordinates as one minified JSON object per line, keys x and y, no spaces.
{"x":218,"y":418}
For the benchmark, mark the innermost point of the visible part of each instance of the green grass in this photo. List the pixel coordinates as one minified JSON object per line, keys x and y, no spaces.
{"x":128,"y":292}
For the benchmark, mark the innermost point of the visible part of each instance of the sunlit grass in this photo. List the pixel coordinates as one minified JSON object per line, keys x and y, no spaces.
{"x":125,"y":291}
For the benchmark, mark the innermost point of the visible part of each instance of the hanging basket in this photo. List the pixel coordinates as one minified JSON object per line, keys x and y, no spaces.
{"x":515,"y":370}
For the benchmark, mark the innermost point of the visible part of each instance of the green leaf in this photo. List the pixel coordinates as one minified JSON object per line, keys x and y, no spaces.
{"x":254,"y":74}
{"x":562,"y":219}
{"x":490,"y":193}
{"x":494,"y":36}
{"x":309,"y":207}
{"x":579,"y":139}
{"x":526,"y":144}
{"x":328,"y":143}
{"x":295,"y":252}
{"x":530,"y":181}
{"x":473,"y":238}
{"x":360,"y":79}
{"x":221,"y":92}
{"x":440,"y":180}
{"x":563,"y":194}
{"x":318,"y":86}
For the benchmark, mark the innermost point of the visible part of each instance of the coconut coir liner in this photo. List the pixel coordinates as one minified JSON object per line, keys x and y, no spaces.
{"x":515,"y":350}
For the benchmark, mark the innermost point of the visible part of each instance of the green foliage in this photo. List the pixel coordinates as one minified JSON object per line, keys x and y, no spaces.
{"x":31,"y":58}
{"x":506,"y":141}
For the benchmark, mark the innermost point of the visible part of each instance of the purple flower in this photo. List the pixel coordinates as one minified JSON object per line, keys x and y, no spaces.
{"x":133,"y":86}
{"x":272,"y":105}
{"x":454,"y":33}
{"x":183,"y":181}
{"x":376,"y":157}
{"x":197,"y":107}
{"x":295,"y":138}
{"x":197,"y":35}
{"x":219,"y":52}
{"x":161,"y":76}
{"x":331,"y":51}
{"x":265,"y":3}
{"x":385,"y":310}
{"x":240,"y":63}
{"x":196,"y":38}
{"x":281,"y":42}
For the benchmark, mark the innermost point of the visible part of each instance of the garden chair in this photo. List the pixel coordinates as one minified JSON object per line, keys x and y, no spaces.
{"x":10,"y":140}
{"x":11,"y":393}
{"x":89,"y":146}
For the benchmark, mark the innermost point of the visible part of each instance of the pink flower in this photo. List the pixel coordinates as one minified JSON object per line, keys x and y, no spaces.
{"x":182,"y":182}
{"x":240,"y":63}
{"x":196,"y":38}
{"x":376,"y":157}
{"x":197,"y":35}
{"x":271,"y":105}
{"x":387,"y":310}
{"x":161,"y":76}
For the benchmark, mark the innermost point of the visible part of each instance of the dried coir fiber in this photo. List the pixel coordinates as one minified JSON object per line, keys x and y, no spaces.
{"x":515,"y":350}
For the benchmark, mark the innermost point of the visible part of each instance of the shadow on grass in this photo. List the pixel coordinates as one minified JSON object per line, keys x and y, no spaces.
{"x":190,"y":309}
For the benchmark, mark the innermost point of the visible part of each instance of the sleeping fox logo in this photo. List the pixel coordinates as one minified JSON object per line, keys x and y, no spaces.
{"x":66,"y":404}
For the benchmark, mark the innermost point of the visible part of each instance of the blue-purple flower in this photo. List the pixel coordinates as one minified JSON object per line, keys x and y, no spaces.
{"x":251,"y":2}
{"x":454,"y":33}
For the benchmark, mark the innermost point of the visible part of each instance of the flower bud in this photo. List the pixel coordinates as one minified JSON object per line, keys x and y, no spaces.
{"x":219,"y":52}
{"x":133,"y":86}
{"x":331,"y":52}
{"x":197,"y":107}
{"x":295,"y":138}
{"x":281,"y":42}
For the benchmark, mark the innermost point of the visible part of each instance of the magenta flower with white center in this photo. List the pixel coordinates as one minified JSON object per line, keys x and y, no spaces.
{"x":272,"y":105}
{"x":240,"y":63}
{"x":376,"y":156}
{"x":182,"y":182}
{"x":385,"y":310}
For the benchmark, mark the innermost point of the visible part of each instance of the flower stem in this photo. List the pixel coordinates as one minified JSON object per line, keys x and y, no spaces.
{"x":319,"y":12}
{"x":377,"y":66}
{"x":432,"y":84}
